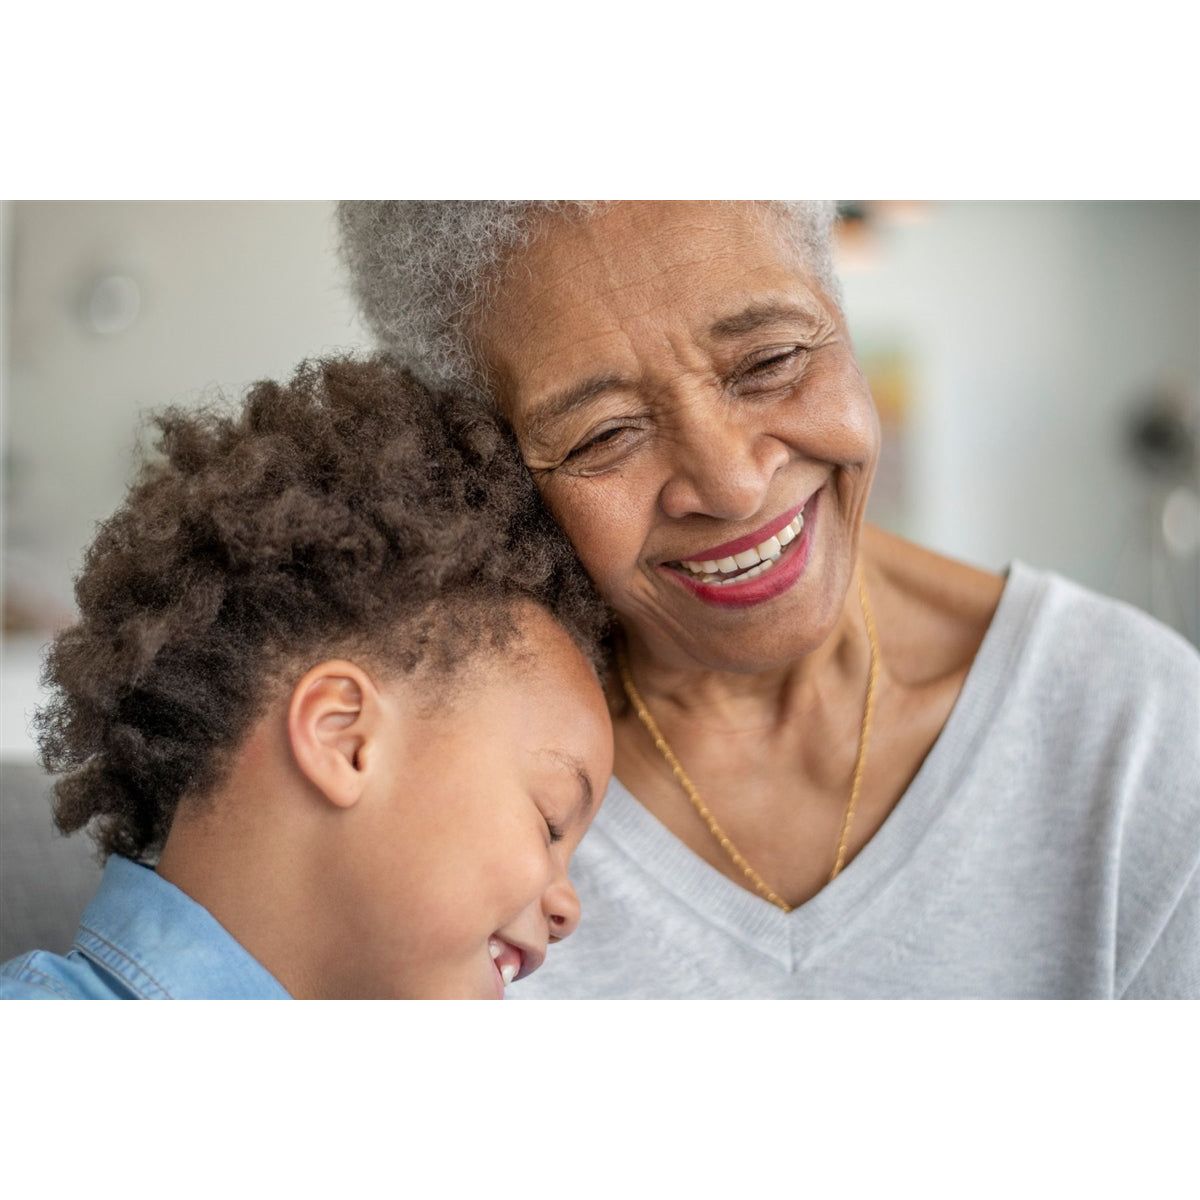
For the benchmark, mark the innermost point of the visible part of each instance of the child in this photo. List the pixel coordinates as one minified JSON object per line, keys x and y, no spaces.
{"x":334,"y":670}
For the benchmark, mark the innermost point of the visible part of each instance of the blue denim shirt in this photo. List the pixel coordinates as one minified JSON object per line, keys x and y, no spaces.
{"x":141,"y":938}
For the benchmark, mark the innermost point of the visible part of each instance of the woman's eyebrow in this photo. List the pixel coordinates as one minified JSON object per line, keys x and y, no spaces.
{"x":755,"y":316}
{"x":561,"y":404}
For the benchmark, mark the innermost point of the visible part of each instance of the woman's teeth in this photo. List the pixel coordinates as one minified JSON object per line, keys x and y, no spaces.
{"x":748,"y":563}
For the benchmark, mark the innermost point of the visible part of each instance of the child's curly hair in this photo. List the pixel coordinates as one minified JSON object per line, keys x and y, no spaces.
{"x":347,"y":510}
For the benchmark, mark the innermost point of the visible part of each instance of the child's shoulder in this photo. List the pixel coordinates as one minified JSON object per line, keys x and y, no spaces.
{"x":41,"y":975}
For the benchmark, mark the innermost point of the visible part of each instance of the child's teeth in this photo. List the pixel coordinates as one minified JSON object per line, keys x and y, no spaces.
{"x":507,"y":972}
{"x":495,"y":949}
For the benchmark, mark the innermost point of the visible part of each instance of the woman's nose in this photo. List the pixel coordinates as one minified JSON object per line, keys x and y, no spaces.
{"x":722,"y":468}
{"x":561,"y":906}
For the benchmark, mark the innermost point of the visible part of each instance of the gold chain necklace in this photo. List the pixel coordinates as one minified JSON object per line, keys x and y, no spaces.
{"x":722,"y":838}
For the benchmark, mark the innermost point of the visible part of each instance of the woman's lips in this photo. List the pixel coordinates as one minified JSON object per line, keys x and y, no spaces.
{"x":766,"y":586}
{"x":749,"y":540}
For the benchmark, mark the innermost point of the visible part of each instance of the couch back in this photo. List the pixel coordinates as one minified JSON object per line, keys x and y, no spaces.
{"x":46,"y":880}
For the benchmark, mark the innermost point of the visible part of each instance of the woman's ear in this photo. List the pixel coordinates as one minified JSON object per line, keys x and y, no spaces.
{"x":333,"y":720}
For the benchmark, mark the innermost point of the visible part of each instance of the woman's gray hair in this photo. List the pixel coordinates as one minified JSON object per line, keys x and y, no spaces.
{"x":421,"y":269}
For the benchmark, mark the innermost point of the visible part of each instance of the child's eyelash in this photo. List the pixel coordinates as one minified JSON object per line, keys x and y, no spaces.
{"x":556,"y":834}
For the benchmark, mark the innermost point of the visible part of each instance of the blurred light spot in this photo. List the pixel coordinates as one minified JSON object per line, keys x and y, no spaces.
{"x":113,"y":304}
{"x":855,"y":242}
{"x":902,"y":212}
{"x":1181,"y":522}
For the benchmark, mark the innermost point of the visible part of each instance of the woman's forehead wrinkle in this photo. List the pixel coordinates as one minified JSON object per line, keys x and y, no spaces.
{"x":574,"y":263}
{"x":608,"y":306}
{"x":536,"y":291}
{"x":551,"y":386}
{"x":559,"y":275}
{"x":550,"y":375}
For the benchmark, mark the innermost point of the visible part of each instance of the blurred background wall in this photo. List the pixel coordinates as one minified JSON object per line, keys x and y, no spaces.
{"x":1037,"y":368}
{"x":109,"y":310}
{"x":1034,"y":336}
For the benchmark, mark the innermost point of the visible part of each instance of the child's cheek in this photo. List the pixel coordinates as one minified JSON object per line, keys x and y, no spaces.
{"x":522,"y":873}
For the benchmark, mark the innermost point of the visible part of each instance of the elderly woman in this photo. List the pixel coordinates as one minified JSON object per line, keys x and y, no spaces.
{"x":846,"y":766}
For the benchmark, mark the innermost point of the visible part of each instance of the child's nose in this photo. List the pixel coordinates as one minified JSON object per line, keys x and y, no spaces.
{"x":561,"y":906}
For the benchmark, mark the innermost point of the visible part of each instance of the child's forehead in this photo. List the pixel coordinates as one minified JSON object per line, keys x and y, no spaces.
{"x":540,"y":649}
{"x":540,"y":667}
{"x":544,"y":670}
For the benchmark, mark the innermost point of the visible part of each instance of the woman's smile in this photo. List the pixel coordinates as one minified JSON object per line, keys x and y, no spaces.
{"x":728,"y":381}
{"x":750,"y":571}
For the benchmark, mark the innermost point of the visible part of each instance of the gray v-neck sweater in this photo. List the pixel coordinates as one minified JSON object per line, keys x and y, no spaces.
{"x":1048,"y":846}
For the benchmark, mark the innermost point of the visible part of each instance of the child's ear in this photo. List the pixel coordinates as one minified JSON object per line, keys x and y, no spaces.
{"x":333,"y":716}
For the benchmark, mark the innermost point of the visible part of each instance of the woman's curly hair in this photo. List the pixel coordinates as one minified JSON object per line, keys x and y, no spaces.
{"x":349,"y":510}
{"x":422,"y":270}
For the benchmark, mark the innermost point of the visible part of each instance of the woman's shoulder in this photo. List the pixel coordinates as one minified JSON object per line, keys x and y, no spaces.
{"x":946,"y":609}
{"x":933,"y":612}
{"x":1111,"y":700}
{"x":1083,"y":714}
{"x":1077,"y":634}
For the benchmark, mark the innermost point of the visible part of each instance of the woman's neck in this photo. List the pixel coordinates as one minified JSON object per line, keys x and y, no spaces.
{"x":707,"y":700}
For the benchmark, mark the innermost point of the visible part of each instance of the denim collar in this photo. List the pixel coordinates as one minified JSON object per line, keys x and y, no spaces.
{"x":162,"y":945}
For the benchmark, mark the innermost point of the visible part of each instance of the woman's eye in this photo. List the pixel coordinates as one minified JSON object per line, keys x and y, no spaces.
{"x":606,"y":437}
{"x":774,"y":366}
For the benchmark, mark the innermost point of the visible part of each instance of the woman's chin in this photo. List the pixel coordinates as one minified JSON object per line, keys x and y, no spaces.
{"x":761,"y":634}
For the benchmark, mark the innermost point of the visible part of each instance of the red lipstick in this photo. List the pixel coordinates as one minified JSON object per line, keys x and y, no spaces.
{"x":748,"y":542}
{"x":766,"y":586}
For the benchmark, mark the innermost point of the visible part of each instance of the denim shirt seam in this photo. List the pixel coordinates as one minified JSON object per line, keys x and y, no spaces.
{"x":125,"y":964}
{"x":30,"y":974}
